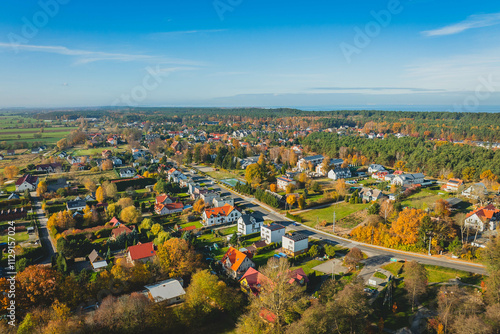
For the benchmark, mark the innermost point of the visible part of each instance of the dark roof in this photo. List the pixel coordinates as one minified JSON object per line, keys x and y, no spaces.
{"x":246,"y":219}
{"x":274,"y":227}
{"x":77,"y":203}
{"x":313,"y":157}
{"x":453,"y":201}
{"x":296,"y":236}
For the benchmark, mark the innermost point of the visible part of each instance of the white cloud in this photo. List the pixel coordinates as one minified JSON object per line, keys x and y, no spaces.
{"x":187,"y":32}
{"x":473,"y":21}
{"x":84,"y":56}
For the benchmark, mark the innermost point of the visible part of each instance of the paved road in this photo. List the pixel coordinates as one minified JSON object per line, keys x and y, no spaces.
{"x":376,"y":253}
{"x":43,"y":232}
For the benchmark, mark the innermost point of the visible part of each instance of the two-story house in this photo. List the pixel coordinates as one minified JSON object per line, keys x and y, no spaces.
{"x":295,"y":243}
{"x":272,"y":233}
{"x":248,"y":224}
{"x":221,"y":215}
{"x":236,"y":263}
{"x":339,"y":173}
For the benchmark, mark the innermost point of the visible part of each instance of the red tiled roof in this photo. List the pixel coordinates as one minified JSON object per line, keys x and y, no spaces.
{"x":174,"y":206}
{"x":484,"y":212}
{"x":120,"y":229}
{"x":142,"y":251}
{"x":222,"y":211}
{"x":161,"y":198}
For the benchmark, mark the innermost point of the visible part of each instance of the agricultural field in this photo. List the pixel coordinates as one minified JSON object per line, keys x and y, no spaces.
{"x":50,"y":135}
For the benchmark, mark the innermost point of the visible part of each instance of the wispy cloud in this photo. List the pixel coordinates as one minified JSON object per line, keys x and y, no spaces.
{"x":85,"y":56}
{"x":473,"y":21}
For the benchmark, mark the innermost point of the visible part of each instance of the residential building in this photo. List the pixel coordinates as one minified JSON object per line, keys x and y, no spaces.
{"x":248,"y":224}
{"x":375,"y":168}
{"x":141,"y":252}
{"x":475,"y":191}
{"x":168,"y":292}
{"x":127,"y":172}
{"x":272,"y":233}
{"x":339,"y":173}
{"x":167,"y":209}
{"x":220,"y":215}
{"x":283,"y":182}
{"x":483,"y":218}
{"x":334,"y":163}
{"x":49,"y":168}
{"x":380,"y":175}
{"x":236,"y":263}
{"x":294,"y":244}
{"x":370,"y":195}
{"x":163,"y":199}
{"x":27,"y":182}
{"x":97,"y":261}
{"x":252,"y":281}
{"x":77,"y":204}
{"x":121,"y":229}
{"x":303,"y":163}
{"x":452,"y":185}
{"x":407,"y":180}
{"x":221,"y":201}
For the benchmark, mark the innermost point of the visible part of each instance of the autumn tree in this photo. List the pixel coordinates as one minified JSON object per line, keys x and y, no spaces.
{"x":207,"y":294}
{"x":99,"y":195}
{"x":10,"y":172}
{"x":353,"y":257}
{"x":62,"y":144}
{"x":110,"y":189}
{"x":177,"y":257}
{"x":107,"y":165}
{"x":290,"y":188}
{"x":273,"y":187}
{"x":302,"y":202}
{"x":277,"y":296}
{"x":199,"y":205}
{"x":415,"y":281}
{"x":291,"y":199}
{"x":400,"y":165}
{"x":37,"y":286}
{"x":442,"y":208}
{"x":341,"y":187}
{"x":41,"y":188}
{"x":130,"y":215}
{"x":405,"y":228}
{"x":253,"y":174}
{"x":125,"y":202}
{"x":89,"y":184}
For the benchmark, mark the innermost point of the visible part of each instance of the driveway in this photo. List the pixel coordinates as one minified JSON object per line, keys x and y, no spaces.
{"x":43,"y":232}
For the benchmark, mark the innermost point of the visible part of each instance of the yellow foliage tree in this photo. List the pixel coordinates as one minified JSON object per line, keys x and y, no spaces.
{"x":199,"y":205}
{"x":41,"y":188}
{"x":291,"y":200}
{"x":130,"y":215}
{"x":273,"y":187}
{"x":405,"y":228}
{"x":10,"y":172}
{"x":99,"y":195}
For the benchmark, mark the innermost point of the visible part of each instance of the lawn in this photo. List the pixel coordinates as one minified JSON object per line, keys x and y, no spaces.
{"x":49,"y":135}
{"x":98,"y":151}
{"x":307,"y":266}
{"x":341,"y":209}
{"x":438,"y":274}
{"x":198,"y":224}
{"x":220,"y":175}
{"x":424,"y":198}
{"x":19,"y":237}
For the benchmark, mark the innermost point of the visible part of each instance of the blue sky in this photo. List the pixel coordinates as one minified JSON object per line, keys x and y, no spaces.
{"x":249,"y":53}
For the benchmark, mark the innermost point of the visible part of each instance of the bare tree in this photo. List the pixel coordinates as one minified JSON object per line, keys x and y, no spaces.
{"x":415,"y":281}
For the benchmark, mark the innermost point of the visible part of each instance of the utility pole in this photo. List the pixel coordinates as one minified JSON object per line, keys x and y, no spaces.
{"x":333,"y":221}
{"x":430,"y":239}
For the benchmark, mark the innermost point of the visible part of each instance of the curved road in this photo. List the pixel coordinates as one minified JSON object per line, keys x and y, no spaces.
{"x":376,"y":253}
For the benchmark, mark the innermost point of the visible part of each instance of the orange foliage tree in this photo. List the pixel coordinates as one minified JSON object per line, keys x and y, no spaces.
{"x":178,"y":258}
{"x":37,"y":286}
{"x":405,"y":228}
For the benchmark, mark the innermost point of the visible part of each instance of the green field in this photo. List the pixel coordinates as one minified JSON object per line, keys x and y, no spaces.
{"x":49,"y":135}
{"x":438,"y":274}
{"x":424,"y":199}
{"x":98,"y":151}
{"x":342,"y":210}
{"x":307,"y":266}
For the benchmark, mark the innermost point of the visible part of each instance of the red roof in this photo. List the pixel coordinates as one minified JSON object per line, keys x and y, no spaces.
{"x":235,"y":257}
{"x":188,"y":228}
{"x":222,"y":211}
{"x":114,"y":221}
{"x":141,"y":251}
{"x":120,"y":229}
{"x":174,"y":206}
{"x":161,"y":198}
{"x":484,"y":212}
{"x":27,"y":178}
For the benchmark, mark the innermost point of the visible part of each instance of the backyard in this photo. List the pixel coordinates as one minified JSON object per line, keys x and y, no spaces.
{"x":341,"y":209}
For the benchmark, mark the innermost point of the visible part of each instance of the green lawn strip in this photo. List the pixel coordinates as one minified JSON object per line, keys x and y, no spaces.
{"x":19,"y":237}
{"x":197,"y":224}
{"x":379,"y":275}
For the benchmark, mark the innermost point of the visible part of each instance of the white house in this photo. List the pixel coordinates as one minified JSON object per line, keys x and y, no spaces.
{"x":370,"y":195}
{"x":168,"y":292}
{"x":475,"y":191}
{"x":408,"y":179}
{"x":375,"y":168}
{"x":483,"y":218}
{"x":167,"y":209}
{"x":27,"y":182}
{"x":236,"y":263}
{"x":221,"y":201}
{"x":247,"y":224}
{"x":127,"y":172}
{"x":220,"y":215}
{"x":283,"y":182}
{"x":272,"y":233}
{"x":208,"y":196}
{"x":339,"y":173}
{"x":335,"y":163}
{"x":314,"y":160}
{"x":295,"y":243}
